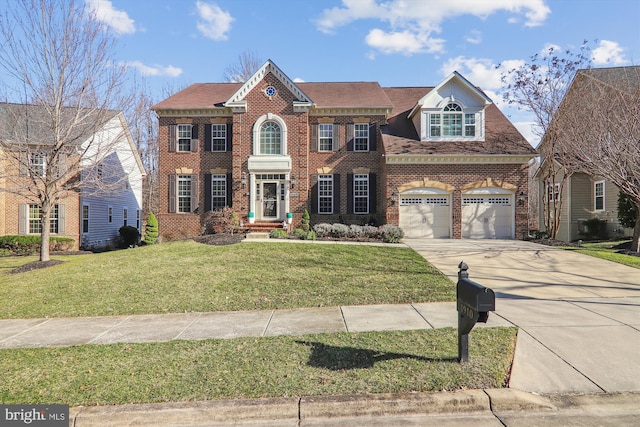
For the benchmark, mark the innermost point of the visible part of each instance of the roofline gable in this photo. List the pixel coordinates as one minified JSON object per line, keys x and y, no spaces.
{"x":453,"y":76}
{"x":237,"y":99}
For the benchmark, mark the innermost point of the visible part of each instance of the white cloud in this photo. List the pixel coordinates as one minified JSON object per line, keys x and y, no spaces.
{"x":411,"y":24}
{"x":155,"y":70}
{"x":118,"y":20}
{"x":474,"y":37}
{"x":214,"y":22}
{"x":481,"y":72}
{"x":298,"y":80}
{"x":609,"y":53}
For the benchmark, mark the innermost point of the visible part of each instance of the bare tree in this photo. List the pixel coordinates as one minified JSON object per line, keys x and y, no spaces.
{"x":600,"y":127}
{"x":246,"y":64}
{"x":65,"y":85}
{"x":539,"y":87}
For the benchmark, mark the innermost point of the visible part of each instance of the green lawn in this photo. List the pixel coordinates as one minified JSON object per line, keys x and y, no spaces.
{"x":310,"y":365}
{"x":607,"y":250}
{"x":187,"y":276}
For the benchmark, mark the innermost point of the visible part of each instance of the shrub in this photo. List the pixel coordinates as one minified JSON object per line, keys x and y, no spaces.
{"x":151,"y":231}
{"x":371,"y":231}
{"x":278,"y":233}
{"x":355,"y":232}
{"x":596,"y":229}
{"x":129,"y":235}
{"x":339,"y":231}
{"x":30,"y":245}
{"x":222,"y":220}
{"x":391,"y":233}
{"x":305,"y":224}
{"x":322,"y":230}
{"x":627,"y":212}
{"x":299,"y":233}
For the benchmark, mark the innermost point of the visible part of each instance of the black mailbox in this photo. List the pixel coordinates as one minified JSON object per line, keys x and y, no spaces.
{"x":474,"y":302}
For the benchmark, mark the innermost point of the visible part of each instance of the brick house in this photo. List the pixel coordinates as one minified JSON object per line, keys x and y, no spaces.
{"x":438,"y":161}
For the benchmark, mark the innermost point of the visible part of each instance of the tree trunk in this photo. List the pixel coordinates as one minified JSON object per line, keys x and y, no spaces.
{"x":45,"y":233}
{"x":635,"y":243}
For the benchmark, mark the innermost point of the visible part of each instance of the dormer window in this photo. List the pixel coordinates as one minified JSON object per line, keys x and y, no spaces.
{"x":451,"y":122}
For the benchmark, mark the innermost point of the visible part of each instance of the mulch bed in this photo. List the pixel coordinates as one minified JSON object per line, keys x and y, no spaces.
{"x":220,"y":239}
{"x":34,"y":266}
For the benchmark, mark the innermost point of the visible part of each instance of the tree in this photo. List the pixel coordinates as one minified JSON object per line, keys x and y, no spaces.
{"x":601,"y":130}
{"x":539,"y":87}
{"x":151,"y":231}
{"x":59,"y":69}
{"x":246,"y":64}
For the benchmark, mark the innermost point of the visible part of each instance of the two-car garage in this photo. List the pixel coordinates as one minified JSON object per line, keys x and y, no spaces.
{"x":485,"y":213}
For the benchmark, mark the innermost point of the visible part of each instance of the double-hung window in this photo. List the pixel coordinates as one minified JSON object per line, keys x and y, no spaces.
{"x":325,"y":137}
{"x":85,"y":218}
{"x":553,"y":192}
{"x":218,"y":137}
{"x":184,"y":137}
{"x":35,"y":221}
{"x":361,"y":194}
{"x":598,"y":196}
{"x":452,"y":122}
{"x":125,"y":216}
{"x":218,"y":191}
{"x":325,"y":194}
{"x":184,"y":193}
{"x":361,"y":137}
{"x":37,"y":165}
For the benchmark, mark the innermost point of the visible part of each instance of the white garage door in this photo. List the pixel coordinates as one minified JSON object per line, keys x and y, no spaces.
{"x":487,"y":216}
{"x":425,"y":216}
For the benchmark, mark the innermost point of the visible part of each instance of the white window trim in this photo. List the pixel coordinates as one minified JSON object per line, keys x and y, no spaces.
{"x":364,"y":178}
{"x":270,"y":117}
{"x":355,"y":137}
{"x":224,"y":139}
{"x":218,"y":178}
{"x":555,"y":196}
{"x":88,"y":219}
{"x":178,"y":150}
{"x":479,"y":125}
{"x":595,"y":196}
{"x":326,"y":139}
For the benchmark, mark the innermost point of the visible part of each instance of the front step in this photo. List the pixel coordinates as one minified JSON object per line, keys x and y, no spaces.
{"x":262,"y":227}
{"x":257,"y":235}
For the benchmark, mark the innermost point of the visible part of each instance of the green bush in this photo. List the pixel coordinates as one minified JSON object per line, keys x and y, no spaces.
{"x":278,"y":233}
{"x":30,"y":245}
{"x":129,"y":235}
{"x":627,"y":212}
{"x":305,"y":224}
{"x":151,"y":231}
{"x":596,"y":229}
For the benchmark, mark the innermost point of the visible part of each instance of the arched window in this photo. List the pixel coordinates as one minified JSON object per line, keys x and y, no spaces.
{"x":270,"y":138}
{"x":452,"y":122}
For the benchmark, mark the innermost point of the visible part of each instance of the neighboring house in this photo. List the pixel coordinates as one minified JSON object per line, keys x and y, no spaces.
{"x":91,"y":215}
{"x":583,"y":196}
{"x":438,"y":161}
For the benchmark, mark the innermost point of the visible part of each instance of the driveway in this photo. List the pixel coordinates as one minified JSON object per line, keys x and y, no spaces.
{"x":579,"y":316}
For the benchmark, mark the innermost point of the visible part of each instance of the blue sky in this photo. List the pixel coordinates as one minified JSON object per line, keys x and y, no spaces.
{"x":172,"y":43}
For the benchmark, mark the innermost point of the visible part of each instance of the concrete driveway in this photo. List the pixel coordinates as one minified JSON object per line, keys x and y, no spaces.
{"x":579,"y":316}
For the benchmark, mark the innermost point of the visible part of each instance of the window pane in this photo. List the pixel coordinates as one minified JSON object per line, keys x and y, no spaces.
{"x":469,"y":125}
{"x":325,"y":137}
{"x":452,"y":124}
{"x":361,"y":193}
{"x":270,"y":138}
{"x":325,"y":194}
{"x":219,"y":137}
{"x":434,"y":122}
{"x":361,"y":137}
{"x":184,"y":137}
{"x":219,"y":191}
{"x":184,"y":193}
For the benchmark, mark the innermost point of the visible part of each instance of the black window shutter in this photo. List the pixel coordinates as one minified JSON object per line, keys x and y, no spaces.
{"x":172,"y":138}
{"x":314,"y":193}
{"x":172,"y":193}
{"x":350,"y":135}
{"x":229,"y":190}
{"x":207,"y":138}
{"x":194,"y":138}
{"x":208,"y":206}
{"x":194,"y":193}
{"x":373,"y":137}
{"x":229,"y":141}
{"x":372,"y":194}
{"x":350,"y":193}
{"x":336,"y":137}
{"x":336,"y":193}
{"x":314,"y":137}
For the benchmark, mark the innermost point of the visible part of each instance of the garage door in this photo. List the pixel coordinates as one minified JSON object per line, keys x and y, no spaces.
{"x":487,"y":216}
{"x":425,"y":216}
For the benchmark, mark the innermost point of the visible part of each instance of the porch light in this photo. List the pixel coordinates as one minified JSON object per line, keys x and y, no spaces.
{"x":522,"y":198}
{"x":293,"y":181}
{"x":394,"y":197}
{"x":243,"y":180}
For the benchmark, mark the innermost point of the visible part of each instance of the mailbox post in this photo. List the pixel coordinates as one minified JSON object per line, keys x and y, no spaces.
{"x":474,"y":302}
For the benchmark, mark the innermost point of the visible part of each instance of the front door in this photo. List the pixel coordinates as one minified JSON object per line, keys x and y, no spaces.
{"x":270,"y":200}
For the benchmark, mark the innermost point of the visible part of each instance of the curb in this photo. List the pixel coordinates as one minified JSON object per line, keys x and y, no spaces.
{"x":292,"y":411}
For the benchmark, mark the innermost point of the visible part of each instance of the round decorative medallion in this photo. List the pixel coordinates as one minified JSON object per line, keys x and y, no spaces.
{"x":270,"y":91}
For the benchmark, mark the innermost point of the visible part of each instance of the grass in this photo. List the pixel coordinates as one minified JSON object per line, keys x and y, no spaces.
{"x":191,"y":277}
{"x":320,"y":364}
{"x":607,"y":250}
